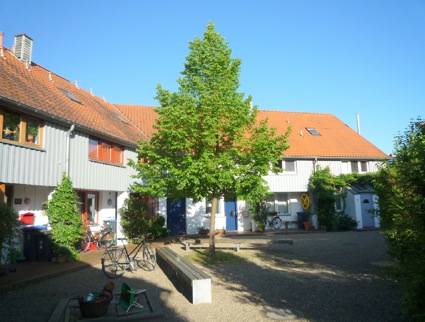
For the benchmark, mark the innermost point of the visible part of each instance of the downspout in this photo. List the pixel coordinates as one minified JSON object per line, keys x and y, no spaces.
{"x":68,"y":147}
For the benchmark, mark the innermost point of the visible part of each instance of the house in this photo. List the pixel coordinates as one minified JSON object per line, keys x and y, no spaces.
{"x":316,"y":140}
{"x":50,"y":125}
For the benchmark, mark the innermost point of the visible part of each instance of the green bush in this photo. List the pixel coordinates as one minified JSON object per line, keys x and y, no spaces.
{"x":9,"y":231}
{"x":64,"y":218}
{"x":344,"y":222}
{"x":136,"y":220}
{"x":401,"y":191}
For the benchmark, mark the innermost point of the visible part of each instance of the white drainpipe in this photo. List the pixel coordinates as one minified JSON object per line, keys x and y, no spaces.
{"x":68,"y":145}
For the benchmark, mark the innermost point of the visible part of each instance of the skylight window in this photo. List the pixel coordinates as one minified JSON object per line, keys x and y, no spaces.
{"x":120,"y":118}
{"x":70,"y":96}
{"x":312,"y":131}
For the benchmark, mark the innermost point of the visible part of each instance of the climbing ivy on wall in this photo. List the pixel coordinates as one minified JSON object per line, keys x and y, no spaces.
{"x":326,"y":187}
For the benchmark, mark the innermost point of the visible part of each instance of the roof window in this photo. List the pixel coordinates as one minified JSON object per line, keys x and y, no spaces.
{"x":120,"y":118}
{"x":70,"y":96}
{"x":312,"y":131}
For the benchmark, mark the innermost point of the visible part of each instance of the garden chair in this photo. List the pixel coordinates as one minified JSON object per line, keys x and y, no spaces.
{"x":128,"y":297}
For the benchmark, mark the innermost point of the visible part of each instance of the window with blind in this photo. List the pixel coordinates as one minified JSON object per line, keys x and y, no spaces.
{"x":104,"y":151}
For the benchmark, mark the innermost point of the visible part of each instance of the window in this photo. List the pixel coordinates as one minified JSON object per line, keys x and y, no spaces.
{"x":312,"y":131}
{"x":69,"y":95}
{"x":286,"y":165}
{"x":153,"y":206}
{"x":104,"y":151}
{"x":278,"y":202}
{"x":338,"y":203}
{"x":208,"y":206}
{"x":20,"y":128}
{"x":358,"y":166}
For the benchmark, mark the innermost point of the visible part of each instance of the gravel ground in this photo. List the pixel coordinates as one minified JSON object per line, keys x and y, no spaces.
{"x":321,"y":277}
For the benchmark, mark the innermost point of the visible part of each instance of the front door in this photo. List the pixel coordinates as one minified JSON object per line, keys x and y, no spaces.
{"x":176,"y":216}
{"x":367,"y":205}
{"x":88,"y":204}
{"x":231,"y":213}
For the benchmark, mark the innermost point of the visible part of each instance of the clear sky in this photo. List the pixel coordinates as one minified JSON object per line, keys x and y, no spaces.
{"x":363,"y":57}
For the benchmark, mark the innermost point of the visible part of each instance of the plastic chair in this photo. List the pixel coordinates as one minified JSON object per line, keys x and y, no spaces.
{"x":128,"y":297}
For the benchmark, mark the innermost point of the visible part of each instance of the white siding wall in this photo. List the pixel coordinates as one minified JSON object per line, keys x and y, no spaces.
{"x":90,"y":175}
{"x":41,"y":167}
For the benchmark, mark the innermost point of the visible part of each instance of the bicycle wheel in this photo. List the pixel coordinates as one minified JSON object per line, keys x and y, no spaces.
{"x":276,"y":222}
{"x":114,"y":263}
{"x":148,"y":261}
{"x":106,"y":240}
{"x":83,"y":244}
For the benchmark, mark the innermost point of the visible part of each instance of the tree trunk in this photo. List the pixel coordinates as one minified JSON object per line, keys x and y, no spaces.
{"x":212,"y":227}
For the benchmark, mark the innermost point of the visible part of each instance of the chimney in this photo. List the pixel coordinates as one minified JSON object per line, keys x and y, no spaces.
{"x":358,"y":123}
{"x":22,"y":47}
{"x":1,"y":44}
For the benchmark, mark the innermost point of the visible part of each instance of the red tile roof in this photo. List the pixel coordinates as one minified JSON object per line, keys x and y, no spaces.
{"x":144,"y":117}
{"x":39,"y":89}
{"x":336,"y":139}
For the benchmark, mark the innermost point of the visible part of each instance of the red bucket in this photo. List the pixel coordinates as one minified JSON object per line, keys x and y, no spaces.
{"x":27,"y":218}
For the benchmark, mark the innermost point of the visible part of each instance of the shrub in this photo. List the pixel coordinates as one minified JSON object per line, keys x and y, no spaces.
{"x":345,"y":222}
{"x":136,"y":220}
{"x":9,"y":231}
{"x":64,"y":218}
{"x":401,"y":191}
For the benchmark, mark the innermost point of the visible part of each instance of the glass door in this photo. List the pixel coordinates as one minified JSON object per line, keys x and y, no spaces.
{"x":88,"y":205}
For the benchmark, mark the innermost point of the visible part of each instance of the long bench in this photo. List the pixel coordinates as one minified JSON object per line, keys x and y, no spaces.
{"x":196,"y":282}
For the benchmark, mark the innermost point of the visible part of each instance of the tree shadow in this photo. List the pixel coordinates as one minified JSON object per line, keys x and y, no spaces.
{"x":327,"y":277}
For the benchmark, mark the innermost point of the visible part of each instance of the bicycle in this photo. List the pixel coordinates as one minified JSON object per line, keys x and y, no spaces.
{"x":275,"y":221}
{"x":105,"y":238}
{"x":117,"y":260}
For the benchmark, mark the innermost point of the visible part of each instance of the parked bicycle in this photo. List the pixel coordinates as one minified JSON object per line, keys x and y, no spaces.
{"x":104,"y":238}
{"x":117,"y":260}
{"x":274,"y":221}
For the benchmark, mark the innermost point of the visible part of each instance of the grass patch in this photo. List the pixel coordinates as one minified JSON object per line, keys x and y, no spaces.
{"x":221,"y":257}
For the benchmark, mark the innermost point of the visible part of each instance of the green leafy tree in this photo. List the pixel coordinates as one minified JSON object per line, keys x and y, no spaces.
{"x":9,"y":230}
{"x":64,"y":217}
{"x":208,"y":143}
{"x":401,"y":191}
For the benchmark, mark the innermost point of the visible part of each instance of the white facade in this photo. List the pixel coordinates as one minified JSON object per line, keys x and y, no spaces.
{"x":290,"y":184}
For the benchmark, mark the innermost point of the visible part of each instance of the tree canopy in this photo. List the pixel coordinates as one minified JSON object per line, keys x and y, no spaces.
{"x":208,"y":143}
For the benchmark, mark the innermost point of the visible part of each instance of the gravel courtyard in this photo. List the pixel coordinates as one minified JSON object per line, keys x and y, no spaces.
{"x":321,"y":277}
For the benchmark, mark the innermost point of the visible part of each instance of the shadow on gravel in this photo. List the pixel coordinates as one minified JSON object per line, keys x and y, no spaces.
{"x":322,"y":277}
{"x":37,"y":302}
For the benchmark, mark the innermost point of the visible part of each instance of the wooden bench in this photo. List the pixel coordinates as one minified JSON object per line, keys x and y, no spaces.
{"x":194,"y":280}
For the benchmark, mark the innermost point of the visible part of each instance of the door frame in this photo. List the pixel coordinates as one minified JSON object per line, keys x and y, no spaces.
{"x":83,"y":197}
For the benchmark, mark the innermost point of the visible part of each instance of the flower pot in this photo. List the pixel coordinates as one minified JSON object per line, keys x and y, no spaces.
{"x":308,"y":225}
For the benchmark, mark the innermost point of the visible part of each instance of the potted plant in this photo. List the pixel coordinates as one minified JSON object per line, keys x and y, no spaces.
{"x":32,"y":133}
{"x":203,"y":231}
{"x":260,"y":215}
{"x":261,"y":227}
{"x":220,"y":232}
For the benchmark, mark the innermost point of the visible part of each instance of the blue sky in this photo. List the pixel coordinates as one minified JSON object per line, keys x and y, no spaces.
{"x":363,"y":57}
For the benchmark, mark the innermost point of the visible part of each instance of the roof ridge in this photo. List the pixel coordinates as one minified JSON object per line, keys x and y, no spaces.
{"x":296,"y":112}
